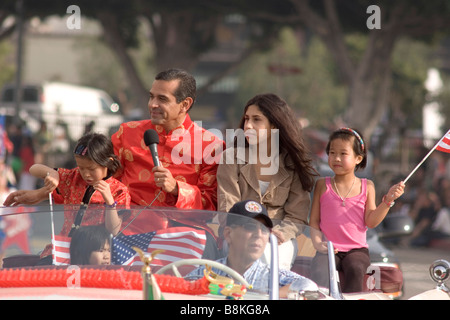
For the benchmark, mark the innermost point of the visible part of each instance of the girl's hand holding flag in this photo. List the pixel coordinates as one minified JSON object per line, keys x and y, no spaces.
{"x":442,"y":145}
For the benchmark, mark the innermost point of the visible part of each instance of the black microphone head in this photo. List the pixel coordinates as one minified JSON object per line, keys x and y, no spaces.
{"x":150,"y":137}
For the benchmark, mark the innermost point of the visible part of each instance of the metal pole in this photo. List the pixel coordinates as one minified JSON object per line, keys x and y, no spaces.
{"x":335,"y":291}
{"x":425,"y":158}
{"x":18,"y":84}
{"x":274,"y":290}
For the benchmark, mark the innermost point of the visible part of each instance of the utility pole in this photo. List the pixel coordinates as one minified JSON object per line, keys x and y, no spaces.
{"x":18,"y":84}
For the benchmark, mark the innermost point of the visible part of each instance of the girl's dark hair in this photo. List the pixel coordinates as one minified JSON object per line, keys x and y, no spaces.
{"x":359,"y":147}
{"x":85,"y":240}
{"x":98,"y":148}
{"x":283,"y":118}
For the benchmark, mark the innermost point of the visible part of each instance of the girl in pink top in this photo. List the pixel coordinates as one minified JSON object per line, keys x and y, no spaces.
{"x":344,"y":207}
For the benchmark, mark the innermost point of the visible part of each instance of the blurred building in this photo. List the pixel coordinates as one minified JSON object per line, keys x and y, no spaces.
{"x":50,"y":50}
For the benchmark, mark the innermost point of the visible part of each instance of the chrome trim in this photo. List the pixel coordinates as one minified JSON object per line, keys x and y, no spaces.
{"x":335,"y":289}
{"x":274,"y":290}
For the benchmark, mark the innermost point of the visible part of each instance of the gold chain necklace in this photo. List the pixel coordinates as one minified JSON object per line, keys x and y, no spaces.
{"x":337,"y":191}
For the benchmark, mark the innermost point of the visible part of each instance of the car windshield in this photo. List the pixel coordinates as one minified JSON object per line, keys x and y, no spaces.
{"x":161,"y":237}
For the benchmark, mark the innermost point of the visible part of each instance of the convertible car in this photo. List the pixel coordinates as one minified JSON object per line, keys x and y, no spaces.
{"x":164,"y":253}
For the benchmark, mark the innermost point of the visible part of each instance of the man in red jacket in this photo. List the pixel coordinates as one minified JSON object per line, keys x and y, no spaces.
{"x":189,"y":154}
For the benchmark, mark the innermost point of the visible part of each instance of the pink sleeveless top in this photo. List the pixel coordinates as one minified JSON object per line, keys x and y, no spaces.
{"x":345,"y":226}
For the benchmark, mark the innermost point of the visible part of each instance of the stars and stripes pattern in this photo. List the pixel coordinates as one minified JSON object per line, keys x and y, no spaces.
{"x":444,"y":144}
{"x":61,"y":250}
{"x":177,"y":243}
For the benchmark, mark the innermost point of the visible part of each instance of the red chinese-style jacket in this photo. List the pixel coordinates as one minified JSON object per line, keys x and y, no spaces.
{"x":191,"y":153}
{"x":73,"y":190}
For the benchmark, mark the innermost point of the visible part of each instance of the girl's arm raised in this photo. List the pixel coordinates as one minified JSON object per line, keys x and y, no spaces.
{"x":31,"y":197}
{"x":41,"y":171}
{"x":50,"y":176}
{"x":374,"y":215}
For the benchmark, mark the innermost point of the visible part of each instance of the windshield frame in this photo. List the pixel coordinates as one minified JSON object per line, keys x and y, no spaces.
{"x":45,"y":213}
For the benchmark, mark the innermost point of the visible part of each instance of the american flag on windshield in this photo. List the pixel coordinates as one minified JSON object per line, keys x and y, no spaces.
{"x":178,"y":243}
{"x":61,"y":250}
{"x":444,"y":144}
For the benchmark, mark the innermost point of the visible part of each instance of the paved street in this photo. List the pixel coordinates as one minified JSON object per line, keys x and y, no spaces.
{"x":415,"y":263}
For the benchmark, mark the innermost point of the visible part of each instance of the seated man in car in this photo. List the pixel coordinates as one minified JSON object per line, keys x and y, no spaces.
{"x":246,"y":243}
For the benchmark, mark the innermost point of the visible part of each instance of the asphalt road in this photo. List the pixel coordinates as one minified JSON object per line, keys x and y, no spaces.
{"x":415,"y":264}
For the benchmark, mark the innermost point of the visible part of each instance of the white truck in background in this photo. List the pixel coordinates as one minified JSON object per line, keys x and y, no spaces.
{"x":59,"y":103}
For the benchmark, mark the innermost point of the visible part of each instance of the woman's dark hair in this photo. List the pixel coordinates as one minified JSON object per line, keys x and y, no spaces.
{"x":359,"y":147}
{"x":85,"y":240}
{"x":283,"y":118}
{"x":98,"y":148}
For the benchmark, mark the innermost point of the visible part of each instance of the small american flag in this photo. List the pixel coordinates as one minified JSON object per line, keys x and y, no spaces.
{"x":444,"y":144}
{"x":61,"y":250}
{"x":177,"y":243}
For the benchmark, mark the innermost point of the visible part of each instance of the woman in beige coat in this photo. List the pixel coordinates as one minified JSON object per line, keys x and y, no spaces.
{"x":272,"y":166}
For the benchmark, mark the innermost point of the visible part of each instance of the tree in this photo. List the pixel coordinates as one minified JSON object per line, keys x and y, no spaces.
{"x":300,"y":69}
{"x":7,"y":30}
{"x":181,"y":31}
{"x":369,"y":78}
{"x":8,"y":70}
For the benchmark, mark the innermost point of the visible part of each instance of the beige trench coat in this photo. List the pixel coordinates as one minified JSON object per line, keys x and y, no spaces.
{"x":286,"y":201}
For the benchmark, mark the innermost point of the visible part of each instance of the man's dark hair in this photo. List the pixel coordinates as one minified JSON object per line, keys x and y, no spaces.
{"x":187,"y":86}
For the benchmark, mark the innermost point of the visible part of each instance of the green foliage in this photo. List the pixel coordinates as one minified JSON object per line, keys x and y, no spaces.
{"x":410,"y":63}
{"x":317,"y":93}
{"x":314,"y":93}
{"x":99,"y":67}
{"x":7,"y":68}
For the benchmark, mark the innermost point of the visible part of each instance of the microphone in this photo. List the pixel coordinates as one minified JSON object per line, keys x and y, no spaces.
{"x":151,"y":139}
